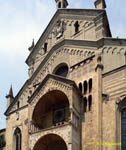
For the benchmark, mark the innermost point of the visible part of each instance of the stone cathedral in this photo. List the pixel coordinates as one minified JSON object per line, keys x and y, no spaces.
{"x":75,"y":96}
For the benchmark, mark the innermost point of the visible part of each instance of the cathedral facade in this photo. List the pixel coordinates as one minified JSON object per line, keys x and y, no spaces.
{"x":75,"y":96}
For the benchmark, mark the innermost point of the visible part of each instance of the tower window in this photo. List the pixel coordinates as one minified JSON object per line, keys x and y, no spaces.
{"x":90,"y":85}
{"x":85,"y":87}
{"x":45,"y":47}
{"x":76,"y":25}
{"x":80,"y":87}
{"x":89,"y":102}
{"x":123,"y":129}
{"x":59,"y":5}
{"x":18,"y":104}
{"x":85,"y":104}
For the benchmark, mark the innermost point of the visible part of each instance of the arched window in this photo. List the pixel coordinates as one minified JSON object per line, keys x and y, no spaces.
{"x":89,"y":102}
{"x":80,"y":87}
{"x":85,"y":87}
{"x":17,"y":139}
{"x":59,"y":5}
{"x":123,"y":129}
{"x":45,"y":47}
{"x":85,"y":104}
{"x":18,"y":104}
{"x":90,"y":85}
{"x":61,"y":70}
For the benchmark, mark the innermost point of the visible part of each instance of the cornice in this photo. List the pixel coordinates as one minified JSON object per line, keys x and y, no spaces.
{"x":16,"y":110}
{"x":114,"y":71}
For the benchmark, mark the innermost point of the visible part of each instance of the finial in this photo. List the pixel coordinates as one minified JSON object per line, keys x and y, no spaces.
{"x":61,"y":3}
{"x":32,"y":46}
{"x":10,"y":92}
{"x":100,"y":4}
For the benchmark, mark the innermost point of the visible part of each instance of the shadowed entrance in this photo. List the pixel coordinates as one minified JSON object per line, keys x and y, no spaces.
{"x":50,"y":142}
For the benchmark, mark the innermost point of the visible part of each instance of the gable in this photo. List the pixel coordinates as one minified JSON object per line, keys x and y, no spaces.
{"x":53,"y":82}
{"x":62,"y":26}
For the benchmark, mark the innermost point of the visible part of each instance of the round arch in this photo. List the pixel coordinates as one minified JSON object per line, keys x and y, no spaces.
{"x":50,"y":142}
{"x":51,"y":109}
{"x":61,"y":70}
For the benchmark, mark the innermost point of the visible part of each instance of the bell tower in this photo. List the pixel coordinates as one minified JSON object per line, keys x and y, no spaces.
{"x":61,"y":4}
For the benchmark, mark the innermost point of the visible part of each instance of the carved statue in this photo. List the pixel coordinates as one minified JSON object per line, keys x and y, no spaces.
{"x":60,"y":26}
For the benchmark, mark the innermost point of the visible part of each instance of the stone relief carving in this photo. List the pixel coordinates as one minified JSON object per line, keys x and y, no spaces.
{"x":59,"y":29}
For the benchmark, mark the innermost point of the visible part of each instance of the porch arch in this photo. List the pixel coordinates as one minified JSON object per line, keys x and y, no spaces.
{"x":51,"y":109}
{"x":50,"y":142}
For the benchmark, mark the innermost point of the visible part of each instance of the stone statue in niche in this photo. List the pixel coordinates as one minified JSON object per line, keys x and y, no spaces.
{"x":60,"y":27}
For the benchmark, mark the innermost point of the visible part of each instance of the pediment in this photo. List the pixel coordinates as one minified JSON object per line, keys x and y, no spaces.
{"x":50,"y":83}
{"x":62,"y":21}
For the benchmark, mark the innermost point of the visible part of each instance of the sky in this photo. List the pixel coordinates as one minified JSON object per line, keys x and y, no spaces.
{"x":21,"y":21}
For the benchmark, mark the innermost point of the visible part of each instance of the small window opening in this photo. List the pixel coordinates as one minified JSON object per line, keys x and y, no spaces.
{"x":80,"y":87}
{"x":17,"y":141}
{"x":85,"y":87}
{"x":85,"y":104}
{"x":45,"y":47}
{"x":89,"y":102}
{"x":59,"y":5}
{"x":90,"y":85}
{"x":76,"y":25}
{"x":18,"y":104}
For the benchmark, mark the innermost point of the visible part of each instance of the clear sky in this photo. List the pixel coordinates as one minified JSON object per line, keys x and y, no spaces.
{"x":23,"y":20}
